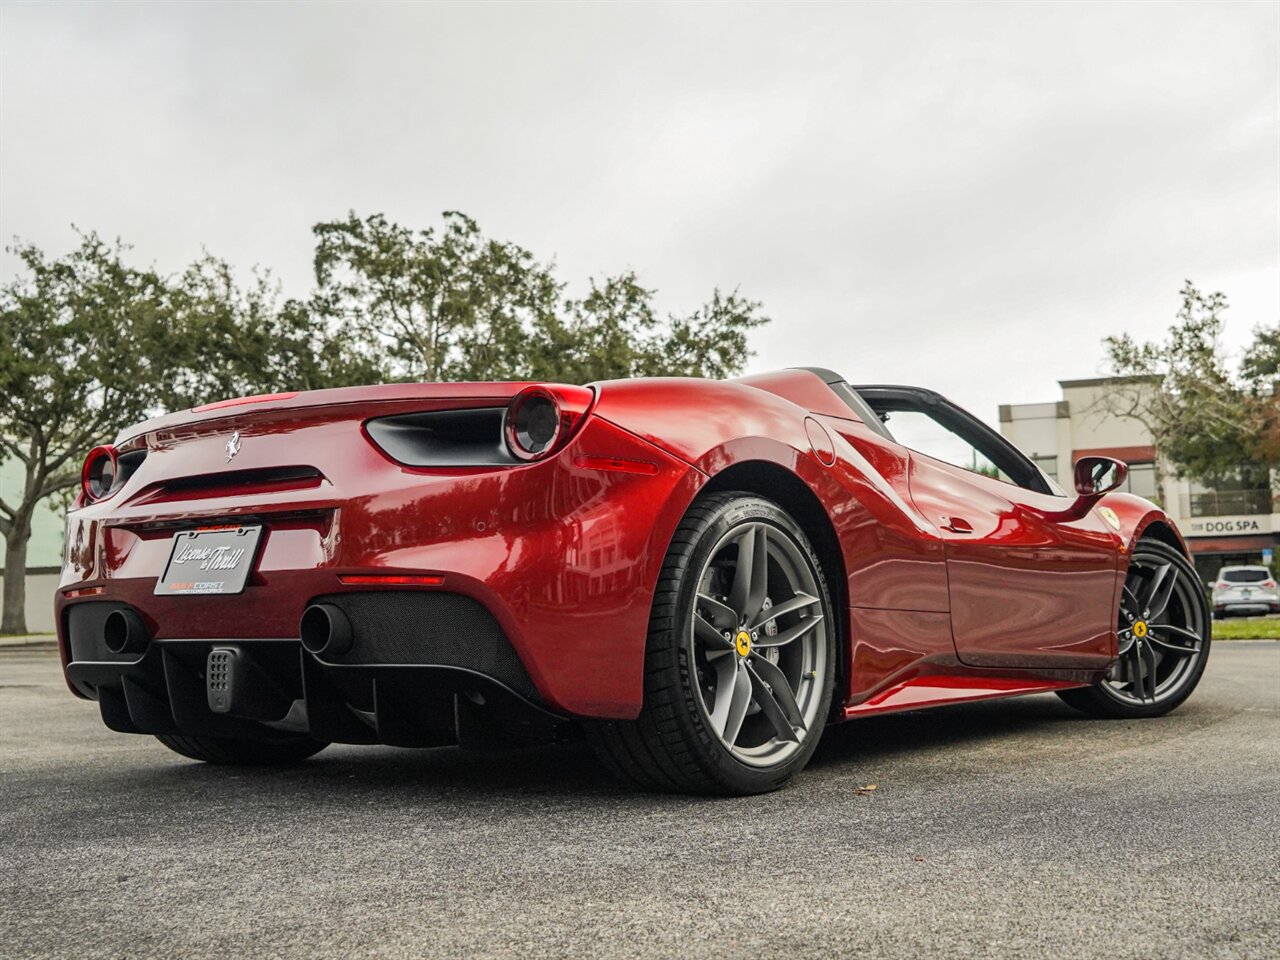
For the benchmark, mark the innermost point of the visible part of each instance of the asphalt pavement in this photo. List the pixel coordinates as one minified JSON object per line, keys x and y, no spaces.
{"x":1014,"y":828}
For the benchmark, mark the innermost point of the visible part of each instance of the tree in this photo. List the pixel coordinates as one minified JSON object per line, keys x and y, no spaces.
{"x":615,"y":332}
{"x":75,"y":366}
{"x":453,"y":305}
{"x":89,"y":345}
{"x":446,"y":305}
{"x":221,"y":339}
{"x":1261,"y":373}
{"x":1212,"y":423}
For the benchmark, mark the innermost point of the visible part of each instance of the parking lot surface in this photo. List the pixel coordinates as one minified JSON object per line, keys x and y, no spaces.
{"x":1011,"y":828}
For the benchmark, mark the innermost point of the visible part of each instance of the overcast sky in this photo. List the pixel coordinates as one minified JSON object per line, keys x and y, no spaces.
{"x":967,"y":197}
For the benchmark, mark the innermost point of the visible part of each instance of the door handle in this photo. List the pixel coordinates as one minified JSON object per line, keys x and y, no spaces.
{"x":956,"y":525}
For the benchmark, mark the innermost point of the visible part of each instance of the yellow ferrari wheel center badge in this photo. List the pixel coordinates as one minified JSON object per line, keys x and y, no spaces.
{"x":742,"y":643}
{"x":1140,"y":629}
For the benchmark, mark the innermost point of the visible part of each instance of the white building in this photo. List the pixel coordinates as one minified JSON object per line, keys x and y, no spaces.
{"x":1221,"y":526}
{"x":44,"y":550}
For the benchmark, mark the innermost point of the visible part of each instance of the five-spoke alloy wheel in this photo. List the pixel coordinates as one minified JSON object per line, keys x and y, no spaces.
{"x":1164,"y":632}
{"x":740,"y":660}
{"x":758,"y":641}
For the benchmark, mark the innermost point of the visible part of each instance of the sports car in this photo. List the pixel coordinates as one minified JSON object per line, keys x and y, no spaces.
{"x":697,"y":576}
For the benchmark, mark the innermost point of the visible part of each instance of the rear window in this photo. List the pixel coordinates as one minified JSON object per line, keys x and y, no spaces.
{"x":1245,"y":576}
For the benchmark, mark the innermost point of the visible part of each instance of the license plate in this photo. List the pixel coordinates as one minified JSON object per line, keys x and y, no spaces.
{"x":209,"y":561}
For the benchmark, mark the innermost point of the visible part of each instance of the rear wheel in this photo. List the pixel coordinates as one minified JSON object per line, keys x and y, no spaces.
{"x":1164,"y":628}
{"x":258,"y":753}
{"x":740,"y":661}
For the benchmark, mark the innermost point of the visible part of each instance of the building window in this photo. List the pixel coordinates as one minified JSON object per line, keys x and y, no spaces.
{"x":1245,"y":490}
{"x":1142,"y":480}
{"x":1049,"y":465}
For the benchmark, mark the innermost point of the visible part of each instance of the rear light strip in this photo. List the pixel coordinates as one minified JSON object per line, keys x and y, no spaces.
{"x":394,"y":580}
{"x":618,"y":465}
{"x":82,"y":592}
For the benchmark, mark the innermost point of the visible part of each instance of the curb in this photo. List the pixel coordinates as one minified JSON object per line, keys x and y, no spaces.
{"x":29,"y":641}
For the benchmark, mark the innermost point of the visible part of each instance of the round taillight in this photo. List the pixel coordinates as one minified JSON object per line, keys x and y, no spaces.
{"x":98,"y":476}
{"x":541,"y":419}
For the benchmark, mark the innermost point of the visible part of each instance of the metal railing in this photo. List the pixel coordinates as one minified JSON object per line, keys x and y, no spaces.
{"x":1226,"y":503}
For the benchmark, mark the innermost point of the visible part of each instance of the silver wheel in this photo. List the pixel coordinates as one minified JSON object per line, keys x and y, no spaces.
{"x":1161,"y":629}
{"x":759,"y":644}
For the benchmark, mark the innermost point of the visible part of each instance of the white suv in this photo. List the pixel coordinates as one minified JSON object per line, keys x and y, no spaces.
{"x":1245,"y":590}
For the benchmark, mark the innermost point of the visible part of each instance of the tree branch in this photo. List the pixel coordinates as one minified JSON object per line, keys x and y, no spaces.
{"x":12,"y":447}
{"x":55,"y":484}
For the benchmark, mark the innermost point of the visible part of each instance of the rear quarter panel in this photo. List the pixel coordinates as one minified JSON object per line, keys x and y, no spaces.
{"x":894,"y":588}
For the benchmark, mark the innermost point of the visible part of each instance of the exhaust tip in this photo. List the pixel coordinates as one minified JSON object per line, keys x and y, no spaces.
{"x":325,"y":630}
{"x":124,"y":632}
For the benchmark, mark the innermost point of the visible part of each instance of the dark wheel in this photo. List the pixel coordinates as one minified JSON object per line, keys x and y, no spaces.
{"x":256,"y":753}
{"x":1164,"y":627}
{"x":740,"y":661}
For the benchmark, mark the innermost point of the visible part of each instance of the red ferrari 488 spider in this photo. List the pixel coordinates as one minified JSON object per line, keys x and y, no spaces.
{"x":696,"y":575}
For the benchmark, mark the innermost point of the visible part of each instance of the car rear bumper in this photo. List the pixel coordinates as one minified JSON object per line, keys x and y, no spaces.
{"x":1247,"y":607}
{"x":559,"y":558}
{"x":421,"y":670}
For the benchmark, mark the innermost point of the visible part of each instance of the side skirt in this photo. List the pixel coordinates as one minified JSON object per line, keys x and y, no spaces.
{"x":935,"y":691}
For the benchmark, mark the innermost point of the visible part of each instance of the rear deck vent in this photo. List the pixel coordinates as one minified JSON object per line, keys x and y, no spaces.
{"x":233,"y":482}
{"x":444,"y":438}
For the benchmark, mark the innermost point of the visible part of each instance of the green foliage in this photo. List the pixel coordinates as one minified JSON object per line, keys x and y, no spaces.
{"x":221,"y":339}
{"x":440,"y":305}
{"x":449,"y":304}
{"x":76,"y":359}
{"x":69,"y":376}
{"x":1211,"y":422}
{"x":1261,"y":373}
{"x":614,"y":332}
{"x":1259,"y":628}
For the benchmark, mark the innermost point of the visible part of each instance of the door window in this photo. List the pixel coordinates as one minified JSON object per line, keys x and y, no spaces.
{"x":922,"y":433}
{"x":923,"y":421}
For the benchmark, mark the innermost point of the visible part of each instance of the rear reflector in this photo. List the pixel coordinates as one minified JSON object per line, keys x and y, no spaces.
{"x":82,"y":592}
{"x":643,"y":467}
{"x":241,"y":401}
{"x":394,"y":580}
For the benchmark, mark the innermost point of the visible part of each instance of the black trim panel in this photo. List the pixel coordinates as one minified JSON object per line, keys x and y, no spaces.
{"x":444,"y":438}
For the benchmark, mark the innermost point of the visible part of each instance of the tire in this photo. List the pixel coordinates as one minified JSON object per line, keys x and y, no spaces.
{"x":255,"y":753}
{"x":1166,"y":677}
{"x":685,"y":739}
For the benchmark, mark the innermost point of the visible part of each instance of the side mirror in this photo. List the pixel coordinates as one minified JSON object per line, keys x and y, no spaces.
{"x":1095,"y":476}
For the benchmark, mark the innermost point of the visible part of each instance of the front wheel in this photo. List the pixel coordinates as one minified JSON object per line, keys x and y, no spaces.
{"x":740,"y":662}
{"x":1164,"y":628}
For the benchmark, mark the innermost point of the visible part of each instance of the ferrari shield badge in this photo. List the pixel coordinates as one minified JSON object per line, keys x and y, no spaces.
{"x":1109,"y":515}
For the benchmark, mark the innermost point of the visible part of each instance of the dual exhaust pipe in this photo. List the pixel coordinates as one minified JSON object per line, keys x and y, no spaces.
{"x":124,"y":632}
{"x":324,"y":629}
